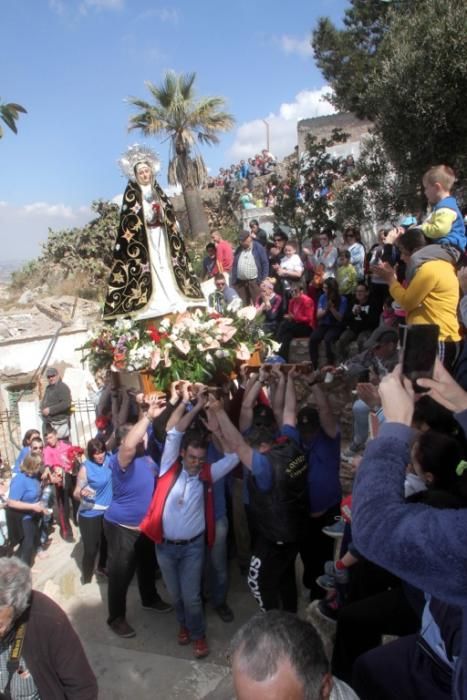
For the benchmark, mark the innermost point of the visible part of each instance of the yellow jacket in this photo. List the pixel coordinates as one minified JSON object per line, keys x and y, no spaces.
{"x":431,"y":297}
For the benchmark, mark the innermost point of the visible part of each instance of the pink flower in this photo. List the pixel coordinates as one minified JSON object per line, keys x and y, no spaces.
{"x":227,"y":334}
{"x":155,"y":358}
{"x":167,"y":360}
{"x":182,"y":345}
{"x":242,"y":352}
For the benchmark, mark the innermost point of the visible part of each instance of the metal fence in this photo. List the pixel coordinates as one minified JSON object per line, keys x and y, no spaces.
{"x":83,"y":428}
{"x":10,"y":437}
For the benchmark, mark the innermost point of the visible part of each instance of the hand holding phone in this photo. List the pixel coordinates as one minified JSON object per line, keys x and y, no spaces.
{"x":419,"y":351}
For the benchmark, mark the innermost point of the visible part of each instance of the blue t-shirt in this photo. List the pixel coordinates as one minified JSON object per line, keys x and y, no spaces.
{"x":261,"y":468}
{"x":25,"y":488}
{"x":323,"y":456}
{"x":218,"y":488}
{"x":328,"y":319}
{"x":132,"y":490}
{"x":99,"y":478}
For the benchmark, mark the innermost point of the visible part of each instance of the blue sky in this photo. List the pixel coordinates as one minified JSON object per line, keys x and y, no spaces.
{"x":72,"y":63}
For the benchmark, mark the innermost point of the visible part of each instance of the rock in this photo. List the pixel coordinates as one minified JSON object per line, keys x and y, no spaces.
{"x":26,"y":297}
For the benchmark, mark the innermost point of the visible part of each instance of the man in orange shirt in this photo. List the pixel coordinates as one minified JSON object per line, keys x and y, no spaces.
{"x":224,"y":252}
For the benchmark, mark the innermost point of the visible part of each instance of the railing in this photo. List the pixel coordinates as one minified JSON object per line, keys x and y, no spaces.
{"x":83,"y":428}
{"x":10,"y":437}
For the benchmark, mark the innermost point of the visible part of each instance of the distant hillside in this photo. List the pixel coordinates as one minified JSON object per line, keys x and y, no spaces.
{"x":7,"y":268}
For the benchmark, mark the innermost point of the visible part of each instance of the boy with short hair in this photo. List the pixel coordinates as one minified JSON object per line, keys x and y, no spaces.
{"x":346,"y":274}
{"x":444,"y":228}
{"x":445,"y":224}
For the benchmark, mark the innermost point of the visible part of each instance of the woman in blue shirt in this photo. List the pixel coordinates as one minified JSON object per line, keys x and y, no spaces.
{"x":29,"y":435}
{"x":331,"y":310}
{"x":94,"y":491}
{"x":25,"y":500}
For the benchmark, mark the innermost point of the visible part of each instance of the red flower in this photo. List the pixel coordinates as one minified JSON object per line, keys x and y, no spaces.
{"x":214,"y":314}
{"x":74,"y":452}
{"x":102,"y":422}
{"x":155,"y":335}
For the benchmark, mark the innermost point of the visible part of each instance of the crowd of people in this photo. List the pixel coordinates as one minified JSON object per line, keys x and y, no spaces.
{"x":251,"y":468}
{"x":263,"y":163}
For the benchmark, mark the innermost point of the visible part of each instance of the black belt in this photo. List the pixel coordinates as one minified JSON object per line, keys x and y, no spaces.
{"x":166,"y":541}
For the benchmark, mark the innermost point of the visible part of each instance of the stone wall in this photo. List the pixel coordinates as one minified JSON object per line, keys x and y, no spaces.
{"x":322,"y":127}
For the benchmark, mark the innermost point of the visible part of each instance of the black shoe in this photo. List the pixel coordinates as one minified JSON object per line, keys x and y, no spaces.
{"x":121,"y":627}
{"x":67,"y":536}
{"x":224,"y":612}
{"x":158,"y":606}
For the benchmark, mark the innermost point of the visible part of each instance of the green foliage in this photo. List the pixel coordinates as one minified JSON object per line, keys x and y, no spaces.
{"x":9,"y":114}
{"x":346,"y":56}
{"x":374,"y":195}
{"x":80,"y":253}
{"x":294,"y":207}
{"x":418,"y":87}
{"x":185,"y":121}
{"x":403,"y":65}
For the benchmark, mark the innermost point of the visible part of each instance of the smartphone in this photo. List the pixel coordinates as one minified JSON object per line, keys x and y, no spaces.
{"x":364,"y":377}
{"x":419,"y":350}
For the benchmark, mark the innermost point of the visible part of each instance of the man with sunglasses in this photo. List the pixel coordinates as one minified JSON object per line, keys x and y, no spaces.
{"x":181,"y":518}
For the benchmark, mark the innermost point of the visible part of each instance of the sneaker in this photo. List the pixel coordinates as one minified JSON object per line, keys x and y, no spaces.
{"x":183,"y":637}
{"x":328,"y":583}
{"x":159,"y":606}
{"x":328,"y":609}
{"x":224,"y":612}
{"x":200,"y":648}
{"x":341,"y":576}
{"x":121,"y":627}
{"x":336,"y":530}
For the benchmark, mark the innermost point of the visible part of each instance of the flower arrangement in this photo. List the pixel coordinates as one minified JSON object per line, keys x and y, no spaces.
{"x":198,"y":345}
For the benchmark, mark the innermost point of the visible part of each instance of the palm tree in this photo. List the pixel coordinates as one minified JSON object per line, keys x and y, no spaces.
{"x":186,"y":121}
{"x":9,"y":113}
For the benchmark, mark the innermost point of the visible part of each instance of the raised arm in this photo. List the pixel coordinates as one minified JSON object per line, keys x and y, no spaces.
{"x":278,"y":393}
{"x":249,"y":402}
{"x":187,"y":419}
{"x":135,"y":435}
{"x":232,"y":436}
{"x":289,"y":416}
{"x":327,"y":419}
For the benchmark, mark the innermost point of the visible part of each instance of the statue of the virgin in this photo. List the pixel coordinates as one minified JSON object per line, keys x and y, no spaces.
{"x":151,"y":273}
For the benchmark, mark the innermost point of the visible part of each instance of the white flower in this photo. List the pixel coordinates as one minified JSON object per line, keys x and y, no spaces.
{"x":248,"y":312}
{"x":220,"y":354}
{"x":165,"y":324}
{"x":209,"y":358}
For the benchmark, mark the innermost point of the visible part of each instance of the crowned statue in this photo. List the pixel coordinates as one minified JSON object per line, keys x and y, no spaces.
{"x":151,"y":273}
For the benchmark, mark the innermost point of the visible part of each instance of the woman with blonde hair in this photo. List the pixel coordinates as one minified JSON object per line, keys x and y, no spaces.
{"x":269,"y":303}
{"x":25,"y":507}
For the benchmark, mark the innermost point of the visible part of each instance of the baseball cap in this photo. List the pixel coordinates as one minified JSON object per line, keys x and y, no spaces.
{"x":382,"y":334}
{"x":407,"y":221}
{"x":51,"y":372}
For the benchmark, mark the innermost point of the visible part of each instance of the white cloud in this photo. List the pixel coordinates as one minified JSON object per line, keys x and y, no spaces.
{"x":24,"y":228}
{"x":103,"y":4}
{"x":295,"y":45}
{"x":163,"y":14}
{"x":251,"y":136}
